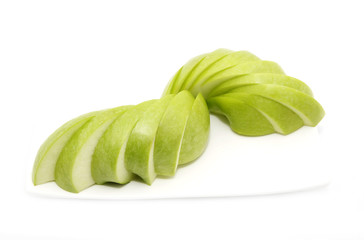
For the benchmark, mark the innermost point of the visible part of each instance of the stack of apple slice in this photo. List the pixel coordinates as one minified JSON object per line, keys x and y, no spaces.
{"x":115,"y":145}
{"x":255,"y":95}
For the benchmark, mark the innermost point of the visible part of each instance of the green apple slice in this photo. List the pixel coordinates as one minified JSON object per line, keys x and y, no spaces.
{"x":73,"y":167}
{"x":283,"y":119}
{"x":208,"y":62}
{"x":305,"y":106}
{"x":244,"y":68}
{"x":244,"y":119}
{"x":196,"y":133}
{"x":175,"y":84}
{"x":140,"y":146}
{"x":222,"y":64}
{"x":108,"y":162}
{"x":260,"y":78}
{"x":170,"y":132}
{"x":45,"y":161}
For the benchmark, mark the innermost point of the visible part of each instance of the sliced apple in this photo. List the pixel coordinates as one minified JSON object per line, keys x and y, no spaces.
{"x":46,"y":159}
{"x":185,"y":71}
{"x":305,"y":106}
{"x":283,"y":119}
{"x":208,"y":62}
{"x":222,"y":64}
{"x":260,"y":78}
{"x":196,"y":133}
{"x":108,"y":162}
{"x":244,"y":119}
{"x":170,"y":133}
{"x":73,"y":167}
{"x":140,"y":146}
{"x":244,"y":68}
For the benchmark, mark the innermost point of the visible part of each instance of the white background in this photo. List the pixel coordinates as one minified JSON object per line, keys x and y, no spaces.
{"x":62,"y":58}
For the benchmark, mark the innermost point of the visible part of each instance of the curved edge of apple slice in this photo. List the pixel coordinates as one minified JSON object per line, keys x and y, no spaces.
{"x":73,"y":167}
{"x":260,"y":78}
{"x":108,"y":158}
{"x":243,"y":118}
{"x":305,"y":106}
{"x":170,"y":133}
{"x":139,"y":150}
{"x":196,"y":133}
{"x":48,"y":153}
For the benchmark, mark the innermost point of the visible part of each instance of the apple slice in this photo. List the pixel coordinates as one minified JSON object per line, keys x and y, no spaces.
{"x":283,"y":119}
{"x":196,"y":133}
{"x":208,"y":62}
{"x":244,"y":68}
{"x":170,"y":132}
{"x":176,"y":82}
{"x":244,"y":119}
{"x":108,"y":162}
{"x":45,"y":161}
{"x":305,"y":106}
{"x":224,"y":63}
{"x":73,"y":167}
{"x":261,"y":78}
{"x":140,"y":146}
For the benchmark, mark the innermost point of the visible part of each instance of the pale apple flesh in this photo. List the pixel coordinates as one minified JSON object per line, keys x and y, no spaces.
{"x":196,"y":134}
{"x":108,"y":159}
{"x":47,"y":156}
{"x":139,"y":158}
{"x":73,"y":167}
{"x":170,"y":133}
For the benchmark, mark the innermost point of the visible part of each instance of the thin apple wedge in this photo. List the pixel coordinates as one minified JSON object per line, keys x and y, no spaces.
{"x":244,"y":68}
{"x":282,"y":118}
{"x":260,"y":78}
{"x":73,"y":167}
{"x":305,"y":106}
{"x":48,"y":153}
{"x":108,"y":162}
{"x":244,"y":119}
{"x":140,"y":146}
{"x":196,"y":133}
{"x":170,"y":133}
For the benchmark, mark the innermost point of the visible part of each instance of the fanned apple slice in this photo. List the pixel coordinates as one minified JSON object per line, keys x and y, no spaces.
{"x":196,"y":133}
{"x":244,"y":68}
{"x":46,"y":159}
{"x":260,"y":78}
{"x":305,"y":106}
{"x":73,"y":167}
{"x":222,"y":64}
{"x":185,"y":71}
{"x":170,"y":132}
{"x":283,"y":119}
{"x":244,"y":119}
{"x":140,"y":146}
{"x":108,"y":162}
{"x":208,"y":62}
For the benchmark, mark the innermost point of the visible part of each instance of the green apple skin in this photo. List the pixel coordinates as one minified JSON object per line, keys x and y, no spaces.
{"x":224,"y":63}
{"x":305,"y":106}
{"x":46,"y":159}
{"x":283,"y":119}
{"x":108,"y":162}
{"x":244,"y":119}
{"x":208,"y":62}
{"x":185,"y":71}
{"x":244,"y":68}
{"x":140,"y":146}
{"x":170,"y":133}
{"x":260,"y":78}
{"x":73,"y":167}
{"x":196,"y":134}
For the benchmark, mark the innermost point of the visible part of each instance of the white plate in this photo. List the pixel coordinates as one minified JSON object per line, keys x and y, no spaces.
{"x":232,"y":165}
